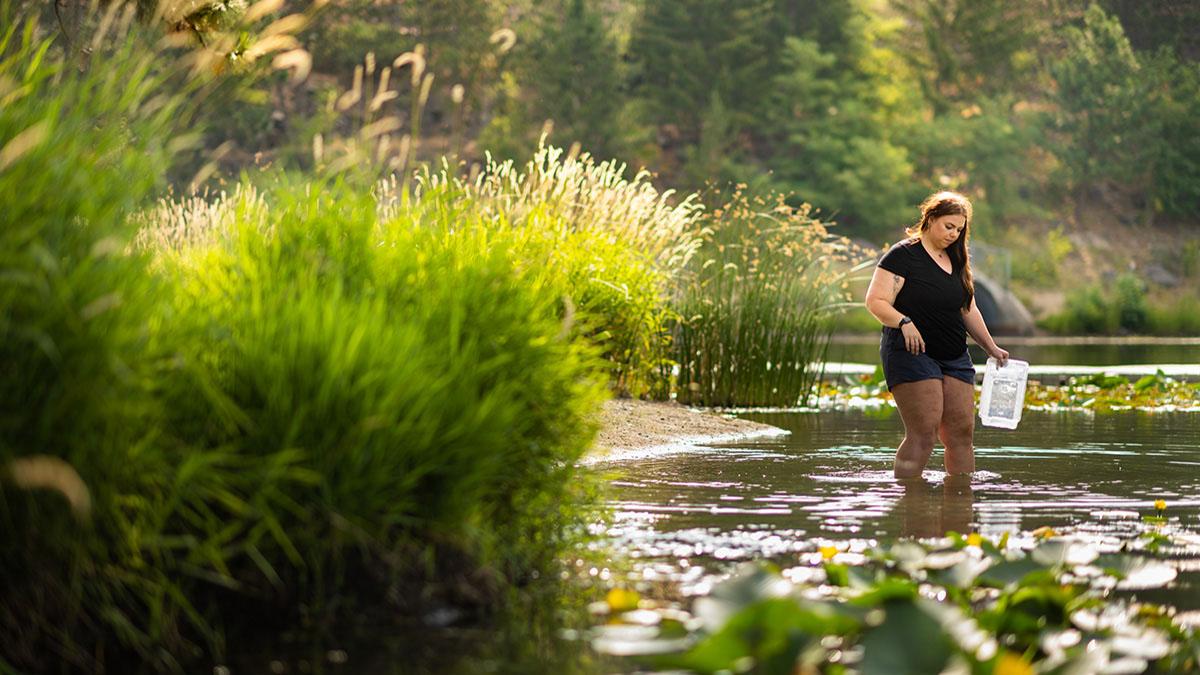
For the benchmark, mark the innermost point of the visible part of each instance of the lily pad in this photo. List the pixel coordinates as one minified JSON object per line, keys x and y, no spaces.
{"x":1064,"y":552}
{"x":1010,"y":572}
{"x":1137,"y":573}
{"x":750,"y":583}
{"x":908,"y":642}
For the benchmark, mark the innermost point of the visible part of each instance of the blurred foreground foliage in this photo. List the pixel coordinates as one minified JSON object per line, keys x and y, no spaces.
{"x":312,"y":407}
{"x":1050,"y":604}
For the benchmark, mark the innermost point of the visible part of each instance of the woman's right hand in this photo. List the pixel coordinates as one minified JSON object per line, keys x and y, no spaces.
{"x":913,"y":341}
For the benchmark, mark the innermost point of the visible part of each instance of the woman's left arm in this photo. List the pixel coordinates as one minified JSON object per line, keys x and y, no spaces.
{"x":979,"y":332}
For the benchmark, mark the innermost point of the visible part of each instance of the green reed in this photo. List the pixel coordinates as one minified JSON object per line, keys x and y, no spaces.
{"x":755,"y":306}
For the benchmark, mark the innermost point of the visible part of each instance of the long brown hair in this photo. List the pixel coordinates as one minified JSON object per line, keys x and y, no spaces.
{"x":951,"y":204}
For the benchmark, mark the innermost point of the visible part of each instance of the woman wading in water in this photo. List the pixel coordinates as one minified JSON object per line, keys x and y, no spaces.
{"x":923,"y":294}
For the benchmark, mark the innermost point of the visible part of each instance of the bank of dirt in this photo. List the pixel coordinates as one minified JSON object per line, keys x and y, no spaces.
{"x":632,"y":428}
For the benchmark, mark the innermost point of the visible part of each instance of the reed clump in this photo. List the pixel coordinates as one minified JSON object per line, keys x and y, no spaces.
{"x":755,"y":305}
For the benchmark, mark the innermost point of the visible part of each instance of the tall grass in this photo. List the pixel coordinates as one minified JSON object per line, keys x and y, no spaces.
{"x":620,"y":241}
{"x":380,"y":385}
{"x":589,"y":196}
{"x":755,"y":305}
{"x":201,"y":219}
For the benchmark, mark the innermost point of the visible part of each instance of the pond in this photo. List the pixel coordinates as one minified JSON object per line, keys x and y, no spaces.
{"x":684,"y":519}
{"x":684,"y":516}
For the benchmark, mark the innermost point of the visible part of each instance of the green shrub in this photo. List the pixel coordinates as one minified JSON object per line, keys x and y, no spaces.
{"x":1130,"y":292}
{"x":855,"y":320}
{"x":1178,"y":317}
{"x":378,"y":392}
{"x":1087,"y":311}
{"x":1040,"y":264}
{"x":352,"y":29}
{"x":1126,"y":308}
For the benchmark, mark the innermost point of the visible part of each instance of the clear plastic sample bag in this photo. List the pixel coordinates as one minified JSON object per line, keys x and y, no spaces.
{"x":1003,"y":394}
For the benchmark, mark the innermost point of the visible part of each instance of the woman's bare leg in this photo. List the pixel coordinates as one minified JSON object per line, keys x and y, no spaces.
{"x":920,"y":405}
{"x":957,"y":429}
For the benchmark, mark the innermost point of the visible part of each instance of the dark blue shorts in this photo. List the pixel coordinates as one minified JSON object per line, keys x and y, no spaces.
{"x":900,"y":366}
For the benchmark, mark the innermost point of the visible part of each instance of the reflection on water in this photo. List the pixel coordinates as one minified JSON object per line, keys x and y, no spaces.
{"x":521,"y":636}
{"x":928,"y":510}
{"x":831,"y":479}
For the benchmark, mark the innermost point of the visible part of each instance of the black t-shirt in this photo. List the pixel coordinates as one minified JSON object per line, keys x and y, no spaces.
{"x":930,"y":297}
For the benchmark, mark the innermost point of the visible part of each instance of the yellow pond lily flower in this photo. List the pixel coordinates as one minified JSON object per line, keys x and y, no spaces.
{"x":1044,"y":532}
{"x":1160,"y":505}
{"x":622,"y":599}
{"x":827,"y":552}
{"x":1011,"y":664}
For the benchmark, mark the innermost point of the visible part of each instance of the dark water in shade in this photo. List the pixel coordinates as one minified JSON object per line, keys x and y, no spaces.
{"x":1090,"y":475}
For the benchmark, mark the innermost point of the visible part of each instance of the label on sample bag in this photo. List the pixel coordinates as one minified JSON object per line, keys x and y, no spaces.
{"x":1003,"y":395}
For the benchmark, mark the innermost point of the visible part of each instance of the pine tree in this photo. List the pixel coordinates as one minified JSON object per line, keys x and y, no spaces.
{"x":573,"y":78}
{"x":964,"y":49}
{"x":1107,"y":131}
{"x":834,"y":149}
{"x":686,"y":52}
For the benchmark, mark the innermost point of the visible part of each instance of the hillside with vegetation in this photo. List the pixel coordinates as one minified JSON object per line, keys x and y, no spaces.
{"x":1072,"y":124}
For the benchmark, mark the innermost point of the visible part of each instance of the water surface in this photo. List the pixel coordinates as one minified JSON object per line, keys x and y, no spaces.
{"x":830,"y":479}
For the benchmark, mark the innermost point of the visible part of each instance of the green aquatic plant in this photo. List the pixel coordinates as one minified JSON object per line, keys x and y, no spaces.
{"x":972,"y":604}
{"x":1104,"y":392}
{"x":1099,"y":392}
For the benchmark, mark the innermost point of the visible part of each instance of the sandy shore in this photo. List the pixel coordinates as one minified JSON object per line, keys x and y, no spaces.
{"x":633,"y":429}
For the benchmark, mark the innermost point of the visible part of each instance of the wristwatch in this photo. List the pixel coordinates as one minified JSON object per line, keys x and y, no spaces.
{"x":903,"y":320}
